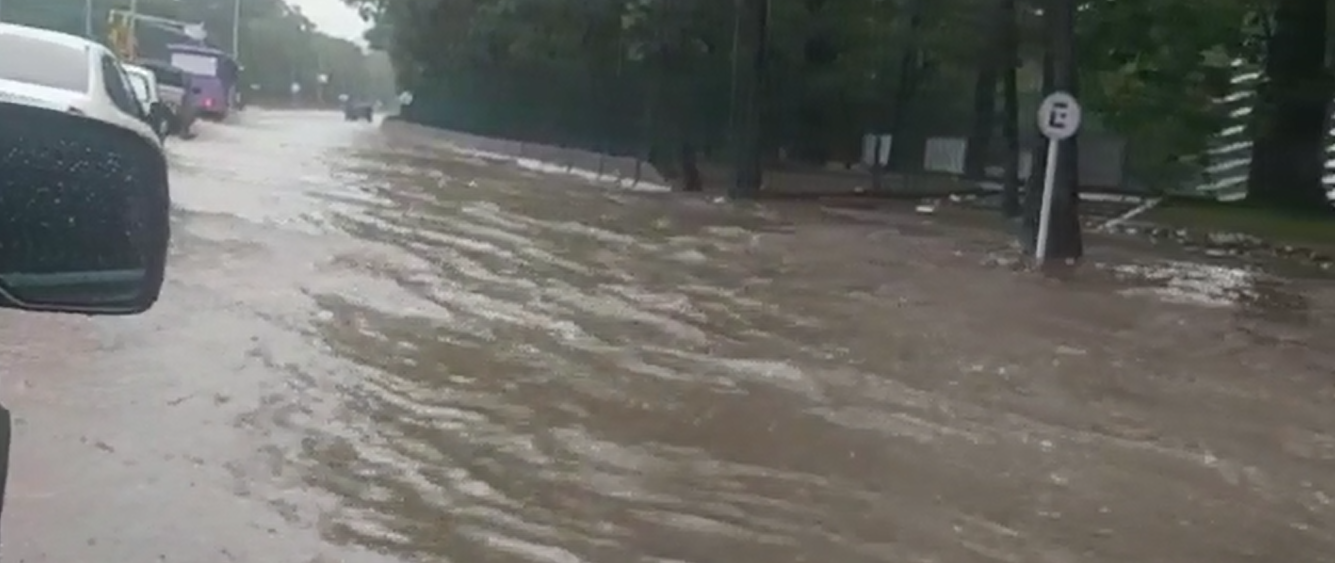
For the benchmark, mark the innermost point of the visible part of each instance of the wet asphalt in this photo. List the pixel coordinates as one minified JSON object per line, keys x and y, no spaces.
{"x":375,"y":348}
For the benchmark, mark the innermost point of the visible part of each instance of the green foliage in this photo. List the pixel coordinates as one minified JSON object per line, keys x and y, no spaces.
{"x":649,"y":70}
{"x":1143,"y":60}
{"x":1277,"y":226}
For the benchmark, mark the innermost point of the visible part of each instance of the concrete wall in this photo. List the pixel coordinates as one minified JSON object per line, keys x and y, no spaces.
{"x":616,"y":169}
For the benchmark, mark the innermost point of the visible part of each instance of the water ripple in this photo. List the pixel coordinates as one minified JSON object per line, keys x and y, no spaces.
{"x":523,"y":366}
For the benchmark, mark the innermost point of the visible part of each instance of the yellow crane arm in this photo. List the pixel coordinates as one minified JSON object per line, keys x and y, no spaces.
{"x":121,"y":29}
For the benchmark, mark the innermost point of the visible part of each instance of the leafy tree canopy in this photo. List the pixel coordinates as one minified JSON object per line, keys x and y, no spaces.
{"x":832,"y":64}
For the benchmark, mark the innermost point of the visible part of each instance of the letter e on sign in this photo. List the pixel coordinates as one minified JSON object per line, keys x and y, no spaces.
{"x":1059,"y":116}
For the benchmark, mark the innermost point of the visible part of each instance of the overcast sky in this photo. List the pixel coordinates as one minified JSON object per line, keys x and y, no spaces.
{"x":333,"y":17}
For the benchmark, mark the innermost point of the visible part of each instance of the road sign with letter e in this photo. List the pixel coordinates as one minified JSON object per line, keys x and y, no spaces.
{"x":1059,"y":116}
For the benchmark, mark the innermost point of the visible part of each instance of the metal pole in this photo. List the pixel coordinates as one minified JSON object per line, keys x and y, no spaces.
{"x":132,"y":36}
{"x":88,"y":19}
{"x":236,"y":30}
{"x":1045,"y":212}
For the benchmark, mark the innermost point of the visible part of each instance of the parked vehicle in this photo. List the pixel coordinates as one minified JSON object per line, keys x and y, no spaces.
{"x":84,"y":192}
{"x":145,"y":86}
{"x":70,"y":74}
{"x":213,"y":76}
{"x":174,"y":90}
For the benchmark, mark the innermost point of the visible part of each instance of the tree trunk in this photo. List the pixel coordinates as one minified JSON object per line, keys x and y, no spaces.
{"x":991,"y":28}
{"x":1059,"y":74}
{"x":691,"y":180}
{"x":748,"y":76}
{"x":984,"y":122}
{"x":1010,"y":127}
{"x":1289,"y":131}
{"x":906,"y":85}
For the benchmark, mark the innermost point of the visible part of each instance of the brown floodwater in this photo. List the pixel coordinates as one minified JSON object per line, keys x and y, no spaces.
{"x":375,"y":348}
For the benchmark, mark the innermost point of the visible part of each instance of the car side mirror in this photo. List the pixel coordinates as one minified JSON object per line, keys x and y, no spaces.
{"x":84,"y":210}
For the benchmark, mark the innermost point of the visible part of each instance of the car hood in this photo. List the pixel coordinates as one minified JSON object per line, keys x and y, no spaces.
{"x":15,"y":92}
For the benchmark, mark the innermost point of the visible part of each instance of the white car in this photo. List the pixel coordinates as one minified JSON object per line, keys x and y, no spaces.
{"x":63,"y":72}
{"x":145,"y":86}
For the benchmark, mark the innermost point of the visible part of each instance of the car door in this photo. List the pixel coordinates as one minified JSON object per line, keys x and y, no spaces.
{"x":118,"y":88}
{"x":117,"y":84}
{"x":143,"y":90}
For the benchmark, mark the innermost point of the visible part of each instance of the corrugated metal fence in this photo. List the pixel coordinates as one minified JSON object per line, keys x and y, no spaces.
{"x":1229,"y":156}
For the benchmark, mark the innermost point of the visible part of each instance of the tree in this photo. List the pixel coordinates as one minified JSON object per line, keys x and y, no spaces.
{"x":993,"y":53}
{"x":1290,"y":130}
{"x":1009,"y":47}
{"x":641,"y":76}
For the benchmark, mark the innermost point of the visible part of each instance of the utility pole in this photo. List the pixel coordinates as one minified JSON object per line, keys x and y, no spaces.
{"x":130,"y":30}
{"x":748,"y":77}
{"x":1065,"y":243}
{"x":236,"y":31}
{"x":88,"y":19}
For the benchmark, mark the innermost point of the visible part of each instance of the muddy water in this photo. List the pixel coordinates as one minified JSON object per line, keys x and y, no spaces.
{"x":374,"y":349}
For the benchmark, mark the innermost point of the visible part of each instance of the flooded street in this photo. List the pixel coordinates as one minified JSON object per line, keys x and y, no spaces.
{"x":374,"y":349}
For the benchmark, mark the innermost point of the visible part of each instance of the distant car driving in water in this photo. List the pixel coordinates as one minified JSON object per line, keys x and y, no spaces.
{"x":213,"y":75}
{"x":354,"y":110}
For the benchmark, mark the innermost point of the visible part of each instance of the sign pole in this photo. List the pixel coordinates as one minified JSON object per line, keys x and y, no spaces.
{"x":1059,"y":120}
{"x":1045,"y":212}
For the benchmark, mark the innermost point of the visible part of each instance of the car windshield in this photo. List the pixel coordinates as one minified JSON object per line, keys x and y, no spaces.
{"x":197,"y":64}
{"x":44,"y":63}
{"x":168,"y":77}
{"x":140,"y":85}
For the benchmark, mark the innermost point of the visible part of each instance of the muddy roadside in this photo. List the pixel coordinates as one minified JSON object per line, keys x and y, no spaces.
{"x":1185,"y":231}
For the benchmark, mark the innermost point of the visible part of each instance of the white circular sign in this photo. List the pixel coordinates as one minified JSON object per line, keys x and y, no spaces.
{"x":324,"y":79}
{"x":1059,"y":116}
{"x":296,"y":88}
{"x":195,"y":31}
